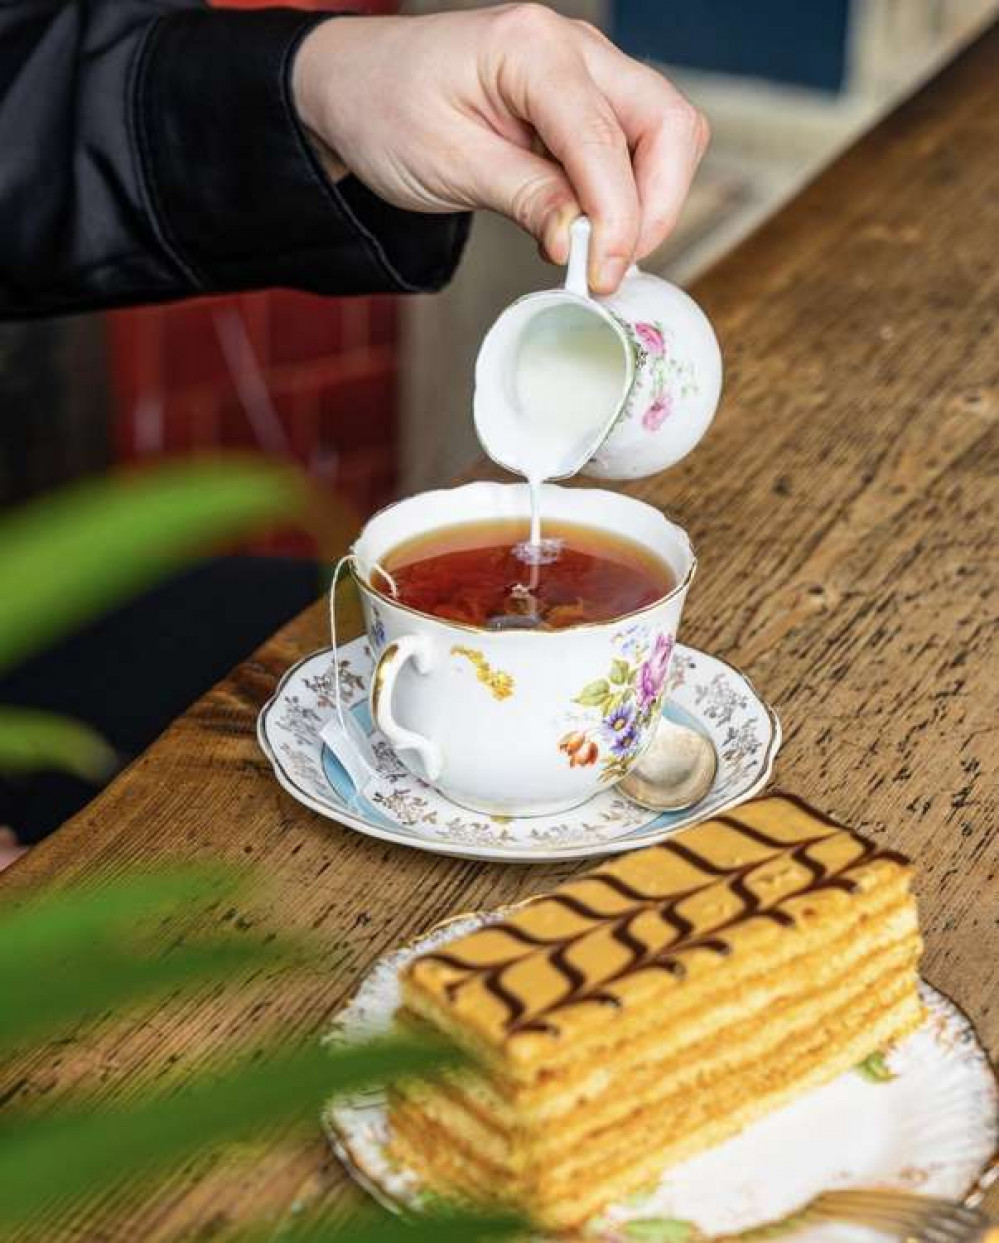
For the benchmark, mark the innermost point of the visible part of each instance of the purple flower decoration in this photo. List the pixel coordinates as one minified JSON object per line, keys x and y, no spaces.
{"x":622,"y":726}
{"x":651,"y":338}
{"x":652,"y":675}
{"x":625,"y":743}
{"x":658,"y":413}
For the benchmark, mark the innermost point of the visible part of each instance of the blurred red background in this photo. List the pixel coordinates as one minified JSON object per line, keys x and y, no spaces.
{"x":290,"y":373}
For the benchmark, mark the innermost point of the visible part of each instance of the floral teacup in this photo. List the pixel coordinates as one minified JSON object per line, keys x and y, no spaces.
{"x":519,"y":722}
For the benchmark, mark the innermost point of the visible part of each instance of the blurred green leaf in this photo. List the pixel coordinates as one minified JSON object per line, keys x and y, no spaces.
{"x":106,"y":908}
{"x":74,"y":955}
{"x":64,"y":1153}
{"x":31,"y":741}
{"x":67,"y":557}
{"x":48,"y":999}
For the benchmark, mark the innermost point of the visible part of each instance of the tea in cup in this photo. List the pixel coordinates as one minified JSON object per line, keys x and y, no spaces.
{"x":518,"y":686}
{"x":486,"y":574}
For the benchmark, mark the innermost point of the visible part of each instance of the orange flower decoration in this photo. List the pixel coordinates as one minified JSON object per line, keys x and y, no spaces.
{"x":587,"y":754}
{"x":571,"y":743}
{"x":580,"y":751}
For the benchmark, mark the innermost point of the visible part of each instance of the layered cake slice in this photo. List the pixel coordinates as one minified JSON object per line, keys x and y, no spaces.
{"x":653,"y":1007}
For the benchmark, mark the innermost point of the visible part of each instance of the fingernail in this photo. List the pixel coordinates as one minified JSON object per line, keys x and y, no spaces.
{"x":607,"y":275}
{"x":558,"y":232}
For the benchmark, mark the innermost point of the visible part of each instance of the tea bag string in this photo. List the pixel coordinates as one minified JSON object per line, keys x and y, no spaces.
{"x":350,"y":558}
{"x":376,"y":568}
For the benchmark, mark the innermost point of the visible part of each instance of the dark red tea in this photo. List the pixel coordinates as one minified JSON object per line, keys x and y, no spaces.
{"x":483,"y":574}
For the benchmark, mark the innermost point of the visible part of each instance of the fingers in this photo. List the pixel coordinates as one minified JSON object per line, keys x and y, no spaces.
{"x":665,"y":165}
{"x":522,"y":184}
{"x":666,"y":134}
{"x":544,"y":80}
{"x":584,"y":135}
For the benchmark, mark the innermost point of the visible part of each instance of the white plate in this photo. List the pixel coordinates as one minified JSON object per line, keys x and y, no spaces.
{"x":704,"y":693}
{"x":932,"y":1128}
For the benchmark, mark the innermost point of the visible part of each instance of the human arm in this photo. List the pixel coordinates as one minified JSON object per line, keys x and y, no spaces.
{"x":156,"y":148}
{"x":153,"y":151}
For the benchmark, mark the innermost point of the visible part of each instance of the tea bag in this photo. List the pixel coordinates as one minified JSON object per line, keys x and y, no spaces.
{"x":562,"y":615}
{"x":350,"y":745}
{"x":522,"y":609}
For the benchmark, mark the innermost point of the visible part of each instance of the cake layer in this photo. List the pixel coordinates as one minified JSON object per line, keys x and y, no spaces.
{"x":505,"y":1133}
{"x":631,"y":932}
{"x":643,"y":1150}
{"x":883,"y":918}
{"x":513,"y":1139}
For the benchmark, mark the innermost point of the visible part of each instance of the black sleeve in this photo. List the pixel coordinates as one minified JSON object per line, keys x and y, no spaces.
{"x":149,"y":149}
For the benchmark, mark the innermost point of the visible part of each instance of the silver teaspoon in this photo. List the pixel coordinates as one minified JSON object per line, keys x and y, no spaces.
{"x":675,"y":770}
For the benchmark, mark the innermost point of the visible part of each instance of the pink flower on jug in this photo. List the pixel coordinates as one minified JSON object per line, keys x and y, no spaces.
{"x":651,"y":338}
{"x":658,"y":413}
{"x":652,"y":675}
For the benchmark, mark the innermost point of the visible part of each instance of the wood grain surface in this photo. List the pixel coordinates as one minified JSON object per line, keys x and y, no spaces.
{"x":844,"y":509}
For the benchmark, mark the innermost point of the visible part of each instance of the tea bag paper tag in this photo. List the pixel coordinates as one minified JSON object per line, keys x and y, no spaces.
{"x":352,"y":748}
{"x":342,"y":733}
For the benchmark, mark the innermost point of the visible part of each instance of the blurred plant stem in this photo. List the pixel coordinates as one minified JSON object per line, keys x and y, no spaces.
{"x":74,"y":956}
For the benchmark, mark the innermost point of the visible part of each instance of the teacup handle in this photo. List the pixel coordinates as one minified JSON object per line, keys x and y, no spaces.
{"x":390,"y":664}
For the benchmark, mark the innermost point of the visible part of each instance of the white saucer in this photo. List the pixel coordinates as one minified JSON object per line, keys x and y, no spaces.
{"x":704,"y":693}
{"x":926,"y":1122}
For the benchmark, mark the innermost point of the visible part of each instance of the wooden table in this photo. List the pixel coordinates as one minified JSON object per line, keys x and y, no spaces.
{"x":844,"y":508}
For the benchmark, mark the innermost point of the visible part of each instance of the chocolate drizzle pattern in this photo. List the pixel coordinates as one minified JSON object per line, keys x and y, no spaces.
{"x":737,"y":880}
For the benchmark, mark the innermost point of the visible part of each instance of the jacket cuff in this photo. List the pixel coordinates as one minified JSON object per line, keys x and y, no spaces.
{"x":239,"y":197}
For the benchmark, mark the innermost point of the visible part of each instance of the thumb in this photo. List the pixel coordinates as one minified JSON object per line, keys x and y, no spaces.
{"x":532,"y":191}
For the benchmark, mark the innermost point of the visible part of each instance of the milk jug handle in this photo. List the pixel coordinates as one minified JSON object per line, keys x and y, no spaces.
{"x":579,"y":257}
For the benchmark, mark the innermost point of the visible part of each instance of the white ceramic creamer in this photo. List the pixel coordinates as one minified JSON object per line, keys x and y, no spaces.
{"x":619,"y":387}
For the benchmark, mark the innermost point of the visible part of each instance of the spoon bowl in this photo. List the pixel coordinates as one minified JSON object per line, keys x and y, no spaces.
{"x":675,"y":771}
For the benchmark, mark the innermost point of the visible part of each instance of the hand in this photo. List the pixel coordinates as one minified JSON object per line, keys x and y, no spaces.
{"x":511,"y":108}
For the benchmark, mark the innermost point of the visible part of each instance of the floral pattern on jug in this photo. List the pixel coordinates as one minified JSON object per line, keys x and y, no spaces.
{"x":677,"y":379}
{"x":628,"y":699}
{"x":671,"y":379}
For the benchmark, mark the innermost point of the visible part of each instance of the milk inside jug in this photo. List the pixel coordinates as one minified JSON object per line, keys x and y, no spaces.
{"x":552,"y":376}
